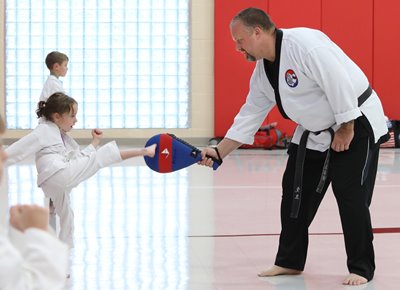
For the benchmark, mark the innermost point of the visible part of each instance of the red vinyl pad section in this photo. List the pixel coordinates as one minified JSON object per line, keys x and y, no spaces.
{"x":165,"y":155}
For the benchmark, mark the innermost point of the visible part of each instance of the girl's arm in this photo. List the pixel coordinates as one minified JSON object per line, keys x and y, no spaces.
{"x":23,"y":148}
{"x":96,"y":138}
{"x":97,"y":134}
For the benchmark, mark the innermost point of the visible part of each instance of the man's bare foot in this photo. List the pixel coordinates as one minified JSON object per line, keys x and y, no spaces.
{"x":151,"y":150}
{"x":354,"y":279}
{"x":276,"y":270}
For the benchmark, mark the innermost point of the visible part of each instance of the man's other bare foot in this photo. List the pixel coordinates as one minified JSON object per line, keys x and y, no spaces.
{"x":354,"y":279}
{"x":276,"y":270}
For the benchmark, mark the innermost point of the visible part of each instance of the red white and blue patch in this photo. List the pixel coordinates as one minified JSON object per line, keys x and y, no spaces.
{"x":291,"y":78}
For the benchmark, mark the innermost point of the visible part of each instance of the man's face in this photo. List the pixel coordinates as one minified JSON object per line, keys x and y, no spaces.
{"x":243,"y":37}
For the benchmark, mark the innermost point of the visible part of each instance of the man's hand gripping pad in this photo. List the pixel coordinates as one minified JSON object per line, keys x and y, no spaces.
{"x":173,"y":154}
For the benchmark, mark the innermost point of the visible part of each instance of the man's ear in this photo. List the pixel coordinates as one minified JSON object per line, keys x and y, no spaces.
{"x":257,"y":30}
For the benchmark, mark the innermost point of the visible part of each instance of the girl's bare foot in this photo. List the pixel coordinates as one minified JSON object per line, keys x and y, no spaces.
{"x":276,"y":270}
{"x":354,"y":279}
{"x":151,"y":150}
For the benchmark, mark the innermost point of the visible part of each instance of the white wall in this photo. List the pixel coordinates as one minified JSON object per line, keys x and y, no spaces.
{"x":202,"y":80}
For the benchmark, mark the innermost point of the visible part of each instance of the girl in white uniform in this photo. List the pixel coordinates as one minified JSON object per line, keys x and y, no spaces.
{"x":60,"y":163}
{"x":340,"y":126}
{"x":27,"y":249}
{"x":57,"y":63}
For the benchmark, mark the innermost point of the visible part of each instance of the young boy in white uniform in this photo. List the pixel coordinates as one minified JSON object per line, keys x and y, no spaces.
{"x":60,"y":163}
{"x":57,"y":63}
{"x":340,"y":126}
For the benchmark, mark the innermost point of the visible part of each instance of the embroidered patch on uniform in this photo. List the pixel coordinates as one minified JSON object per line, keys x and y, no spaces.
{"x":291,"y":78}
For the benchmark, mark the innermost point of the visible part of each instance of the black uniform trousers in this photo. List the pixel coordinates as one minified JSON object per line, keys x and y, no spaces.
{"x":352,"y":176}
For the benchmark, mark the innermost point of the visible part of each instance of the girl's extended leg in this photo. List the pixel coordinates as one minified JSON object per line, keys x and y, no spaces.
{"x":58,"y":187}
{"x":130,"y":153}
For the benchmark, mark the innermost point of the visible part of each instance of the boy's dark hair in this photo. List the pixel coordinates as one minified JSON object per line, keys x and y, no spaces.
{"x":55,"y":57}
{"x":253,"y":17}
{"x":57,"y":103}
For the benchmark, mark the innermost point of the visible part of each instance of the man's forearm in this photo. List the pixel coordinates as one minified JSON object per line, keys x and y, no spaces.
{"x":226,"y":146}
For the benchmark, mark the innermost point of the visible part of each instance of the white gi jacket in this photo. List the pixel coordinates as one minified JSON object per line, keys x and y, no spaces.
{"x":36,"y":260}
{"x":61,"y":165}
{"x":53,"y":150}
{"x":51,"y":86}
{"x":319,"y":86}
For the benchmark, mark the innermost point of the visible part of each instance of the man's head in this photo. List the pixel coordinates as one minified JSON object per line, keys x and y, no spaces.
{"x":247,"y":29}
{"x":57,"y":63}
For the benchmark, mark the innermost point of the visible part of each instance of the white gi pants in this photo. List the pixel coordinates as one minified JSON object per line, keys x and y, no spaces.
{"x":58,"y":187}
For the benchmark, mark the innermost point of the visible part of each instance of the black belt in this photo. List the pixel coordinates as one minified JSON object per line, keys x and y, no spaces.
{"x":301,"y":154}
{"x":364,"y":96}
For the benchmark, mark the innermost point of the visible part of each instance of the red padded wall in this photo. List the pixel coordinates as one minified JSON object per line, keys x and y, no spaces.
{"x":367,"y":30}
{"x":232,"y":72}
{"x":294,"y":13}
{"x":350,"y":25}
{"x":386,"y":58}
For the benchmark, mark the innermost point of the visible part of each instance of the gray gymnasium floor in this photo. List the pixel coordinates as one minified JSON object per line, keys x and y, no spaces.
{"x":196,"y":229}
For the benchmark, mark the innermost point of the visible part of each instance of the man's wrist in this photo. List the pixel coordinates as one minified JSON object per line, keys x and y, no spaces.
{"x":216,"y":150}
{"x":348,"y":125}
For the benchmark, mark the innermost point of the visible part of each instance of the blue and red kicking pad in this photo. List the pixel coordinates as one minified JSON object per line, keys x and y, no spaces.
{"x":173,"y":153}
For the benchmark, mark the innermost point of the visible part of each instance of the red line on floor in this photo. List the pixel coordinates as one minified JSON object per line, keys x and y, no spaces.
{"x":386,"y":230}
{"x":375,"y":230}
